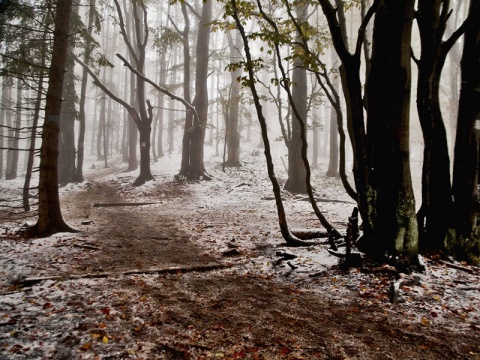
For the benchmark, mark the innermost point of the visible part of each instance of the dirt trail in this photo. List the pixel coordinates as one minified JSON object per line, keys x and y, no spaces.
{"x":128,"y":237}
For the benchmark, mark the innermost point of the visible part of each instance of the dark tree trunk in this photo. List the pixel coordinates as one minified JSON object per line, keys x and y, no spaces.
{"x":50,"y":218}
{"x":381,"y":168}
{"x":436,"y":210}
{"x":194,"y":135}
{"x":388,"y":102}
{"x":466,"y":242}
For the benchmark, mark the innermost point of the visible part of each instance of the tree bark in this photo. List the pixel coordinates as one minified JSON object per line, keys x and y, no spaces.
{"x":465,"y":243}
{"x":13,"y":163}
{"x":232,"y":127}
{"x":296,"y":168}
{"x":435,"y":213}
{"x":50,"y":218}
{"x":388,"y":105}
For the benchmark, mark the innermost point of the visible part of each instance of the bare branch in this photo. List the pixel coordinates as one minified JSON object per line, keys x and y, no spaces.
{"x":162,"y":89}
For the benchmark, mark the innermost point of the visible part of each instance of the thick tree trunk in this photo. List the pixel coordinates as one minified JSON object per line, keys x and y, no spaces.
{"x":465,"y":244}
{"x":392,"y":201}
{"x":194,"y":134}
{"x":50,"y":218}
{"x":66,"y":144}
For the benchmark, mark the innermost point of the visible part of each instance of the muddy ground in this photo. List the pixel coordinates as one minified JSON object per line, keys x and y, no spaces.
{"x":151,"y":283}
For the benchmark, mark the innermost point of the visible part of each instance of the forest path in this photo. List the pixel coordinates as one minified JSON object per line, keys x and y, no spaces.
{"x":124,"y":235}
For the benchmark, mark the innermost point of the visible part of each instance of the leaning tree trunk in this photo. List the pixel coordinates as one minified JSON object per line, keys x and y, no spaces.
{"x":282,"y":219}
{"x":50,"y":218}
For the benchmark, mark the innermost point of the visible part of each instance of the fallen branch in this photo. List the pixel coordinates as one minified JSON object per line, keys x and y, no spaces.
{"x":122,"y":204}
{"x":306,"y":234}
{"x":458,"y":267}
{"x":84,"y":246}
{"x":293,"y":267}
{"x":387,"y":269}
{"x":169,"y":270}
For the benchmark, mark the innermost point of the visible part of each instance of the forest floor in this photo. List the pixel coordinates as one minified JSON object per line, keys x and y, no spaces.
{"x":190,"y":270}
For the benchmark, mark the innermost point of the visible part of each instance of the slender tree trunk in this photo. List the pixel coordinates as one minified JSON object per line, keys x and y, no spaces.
{"x":2,"y":123}
{"x":33,"y":138}
{"x":83,"y":96}
{"x":13,"y":168}
{"x":296,"y":167}
{"x":233,"y":135}
{"x":315,"y":139}
{"x":188,"y":127}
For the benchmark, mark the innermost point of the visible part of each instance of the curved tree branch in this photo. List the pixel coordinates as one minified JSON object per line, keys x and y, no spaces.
{"x":189,"y":106}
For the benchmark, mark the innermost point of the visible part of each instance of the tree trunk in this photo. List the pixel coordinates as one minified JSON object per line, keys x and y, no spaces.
{"x":392,"y":201}
{"x":50,"y":218}
{"x":66,"y":144}
{"x":3,"y":107}
{"x":197,"y":167}
{"x":232,"y":127}
{"x":194,"y":134}
{"x":33,"y":138}
{"x":296,"y":168}
{"x":332,"y":170}
{"x":13,"y":164}
{"x":436,"y":210}
{"x":465,"y":244}
{"x":188,"y":127}
{"x":83,"y":96}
